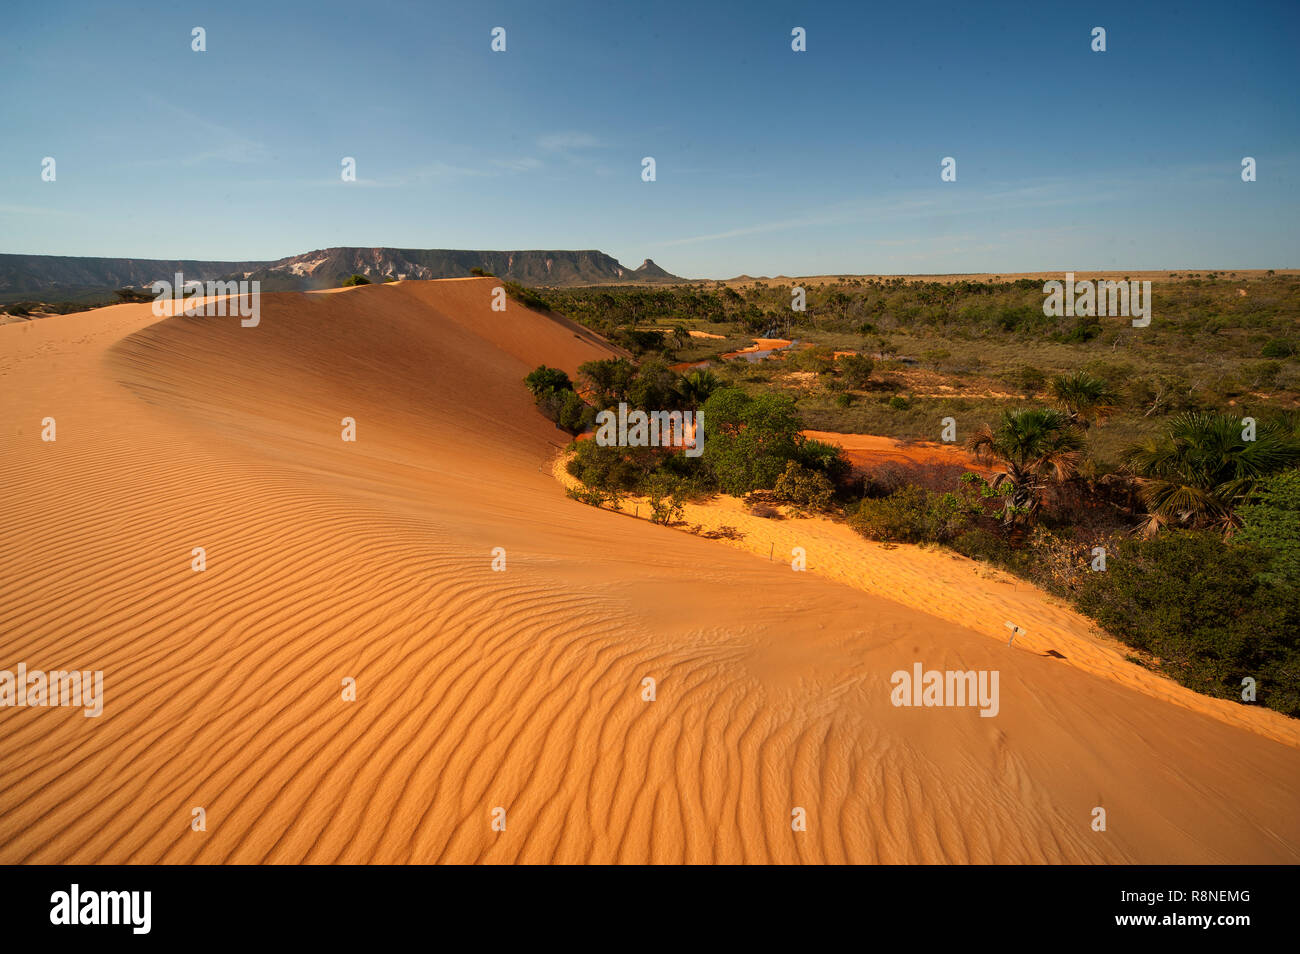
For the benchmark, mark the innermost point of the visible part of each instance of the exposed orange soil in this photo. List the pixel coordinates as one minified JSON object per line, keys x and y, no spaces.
{"x":865,"y":451}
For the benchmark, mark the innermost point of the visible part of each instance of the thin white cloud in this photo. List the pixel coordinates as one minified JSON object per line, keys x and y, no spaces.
{"x":1043,"y":194}
{"x":568,"y":141}
{"x":523,"y":164}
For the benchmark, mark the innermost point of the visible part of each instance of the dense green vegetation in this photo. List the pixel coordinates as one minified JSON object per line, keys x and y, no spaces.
{"x":1272,"y":522}
{"x":525,"y":296}
{"x":555,"y":397}
{"x":751,"y":443}
{"x":1208,"y":610}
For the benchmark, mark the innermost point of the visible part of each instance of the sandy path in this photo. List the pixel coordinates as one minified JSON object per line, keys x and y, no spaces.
{"x":478,"y":689}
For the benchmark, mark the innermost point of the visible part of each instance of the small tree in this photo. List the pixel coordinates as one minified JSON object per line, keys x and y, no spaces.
{"x":913,"y":515}
{"x":355,"y":280}
{"x":857,"y":370}
{"x":574,"y":414}
{"x":609,"y":379}
{"x":543,"y":379}
{"x":749,"y":439}
{"x":666,"y":499}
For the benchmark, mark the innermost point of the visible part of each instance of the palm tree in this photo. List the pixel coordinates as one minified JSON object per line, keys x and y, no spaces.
{"x":696,"y":387}
{"x":1036,"y":447}
{"x":1087,"y":400}
{"x":1202,"y":469}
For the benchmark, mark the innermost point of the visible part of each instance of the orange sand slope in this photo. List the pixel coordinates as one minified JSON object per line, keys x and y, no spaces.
{"x":479,"y":689}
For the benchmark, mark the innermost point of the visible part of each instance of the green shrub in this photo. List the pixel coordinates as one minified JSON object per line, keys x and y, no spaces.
{"x":1026,"y":380}
{"x":542,"y":379}
{"x":803,"y":487}
{"x":594,"y":497}
{"x":981,"y":544}
{"x":1206,"y":612}
{"x":667,"y":495}
{"x":574,"y":414}
{"x":526,"y":296}
{"x":1272,"y":523}
{"x":856,"y":369}
{"x":655,"y":388}
{"x":355,"y":280}
{"x":610,"y":468}
{"x":818,"y":360}
{"x":609,"y":379}
{"x":1263,"y":374}
{"x":556,"y":399}
{"x":913,"y":515}
{"x":638,"y":341}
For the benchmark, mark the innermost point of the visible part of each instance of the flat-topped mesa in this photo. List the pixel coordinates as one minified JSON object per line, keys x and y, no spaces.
{"x":325,"y":268}
{"x":56,"y":277}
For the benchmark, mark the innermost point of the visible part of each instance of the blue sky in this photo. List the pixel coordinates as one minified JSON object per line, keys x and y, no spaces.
{"x":768,"y":161}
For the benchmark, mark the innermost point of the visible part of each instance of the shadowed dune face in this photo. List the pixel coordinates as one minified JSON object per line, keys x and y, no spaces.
{"x":479,"y":689}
